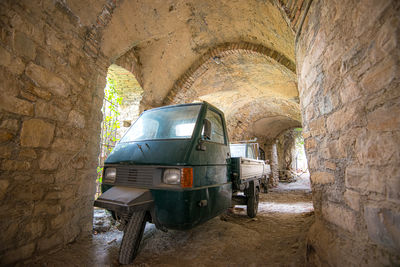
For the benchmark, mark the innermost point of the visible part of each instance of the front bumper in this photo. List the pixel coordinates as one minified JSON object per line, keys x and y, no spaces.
{"x":125,"y":200}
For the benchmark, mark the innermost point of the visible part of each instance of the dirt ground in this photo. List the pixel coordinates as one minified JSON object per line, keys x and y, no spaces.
{"x":276,"y":237}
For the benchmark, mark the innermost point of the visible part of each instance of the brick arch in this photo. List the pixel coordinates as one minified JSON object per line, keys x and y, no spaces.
{"x":182,"y":87}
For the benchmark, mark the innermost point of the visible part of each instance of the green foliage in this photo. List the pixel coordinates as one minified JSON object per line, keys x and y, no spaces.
{"x":112,"y":102}
{"x":299,"y":139}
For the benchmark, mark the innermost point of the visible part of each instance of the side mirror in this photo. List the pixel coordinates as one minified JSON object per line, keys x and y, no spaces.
{"x":207,"y":130}
{"x":205,"y":135}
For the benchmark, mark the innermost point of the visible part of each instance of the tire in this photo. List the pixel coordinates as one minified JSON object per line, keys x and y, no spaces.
{"x":265,"y":188}
{"x":252,"y":204}
{"x":132,"y":236}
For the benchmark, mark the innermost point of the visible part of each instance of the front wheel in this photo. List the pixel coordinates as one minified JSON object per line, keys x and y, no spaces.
{"x":252,"y":204}
{"x":132,"y":236}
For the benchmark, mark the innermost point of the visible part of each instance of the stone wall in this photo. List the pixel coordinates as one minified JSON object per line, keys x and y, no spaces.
{"x":52,"y":84}
{"x":347,"y":62}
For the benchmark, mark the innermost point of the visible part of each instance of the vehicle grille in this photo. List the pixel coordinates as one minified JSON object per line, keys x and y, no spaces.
{"x":135,"y":176}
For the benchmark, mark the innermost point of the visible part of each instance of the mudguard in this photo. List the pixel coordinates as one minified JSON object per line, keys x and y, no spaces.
{"x":125,"y":199}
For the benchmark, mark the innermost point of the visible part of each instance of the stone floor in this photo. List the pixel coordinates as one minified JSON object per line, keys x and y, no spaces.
{"x":276,"y":237}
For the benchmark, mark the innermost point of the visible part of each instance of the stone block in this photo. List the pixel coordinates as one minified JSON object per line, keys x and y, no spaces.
{"x":4,"y":184}
{"x":309,"y":112}
{"x":55,"y":43}
{"x":33,"y":192}
{"x":352,"y":58}
{"x":306,"y":134}
{"x":383,"y":225}
{"x":313,"y":162}
{"x":356,"y":177}
{"x":35,"y":229}
{"x":387,"y":38}
{"x":380,"y":76}
{"x":310,"y":144}
{"x":24,"y":46}
{"x":317,"y":126}
{"x":41,"y":178}
{"x":348,"y":139}
{"x":343,"y":118}
{"x":392,"y":175}
{"x":79,"y":162}
{"x":376,"y":181}
{"x":49,"y":161}
{"x":28,"y":96}
{"x":21,"y":253}
{"x":10,"y":125}
{"x":5,"y":136}
{"x":37,"y":133}
{"x":330,"y":165}
{"x":385,"y":118}
{"x":22,"y":178}
{"x":13,"y":64}
{"x":71,"y":232}
{"x":15,"y":105}
{"x":339,"y":216}
{"x":15,"y":165}
{"x":352,"y":199}
{"x":27,"y":153}
{"x":76,"y":119}
{"x":322,"y":178}
{"x":46,"y":208}
{"x":377,"y":148}
{"x":48,"y":80}
{"x":48,"y":243}
{"x":350,"y":91}
{"x":62,"y":194}
{"x":333,"y":150}
{"x":50,"y":111}
{"x":365,"y":179}
{"x":60,"y":220}
{"x":63,"y":144}
{"x":44,"y":94}
{"x":6,"y":151}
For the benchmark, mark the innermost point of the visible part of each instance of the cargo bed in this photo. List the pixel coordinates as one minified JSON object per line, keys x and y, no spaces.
{"x":245,"y":170}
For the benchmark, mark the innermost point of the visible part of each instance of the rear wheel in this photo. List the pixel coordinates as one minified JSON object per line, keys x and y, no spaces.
{"x":252,"y":204}
{"x":132,"y":236}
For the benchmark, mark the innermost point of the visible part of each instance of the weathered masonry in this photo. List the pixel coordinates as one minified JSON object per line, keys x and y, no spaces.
{"x":331,"y":67}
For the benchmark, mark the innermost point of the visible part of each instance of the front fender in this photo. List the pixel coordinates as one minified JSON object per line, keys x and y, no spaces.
{"x":125,"y":200}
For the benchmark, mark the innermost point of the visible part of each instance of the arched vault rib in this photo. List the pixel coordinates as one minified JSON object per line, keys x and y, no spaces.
{"x":181,"y":90}
{"x":264,"y":117}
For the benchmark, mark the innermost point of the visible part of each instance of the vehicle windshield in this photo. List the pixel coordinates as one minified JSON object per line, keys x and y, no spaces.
{"x":242,"y":150}
{"x":238,"y":150}
{"x":166,"y":123}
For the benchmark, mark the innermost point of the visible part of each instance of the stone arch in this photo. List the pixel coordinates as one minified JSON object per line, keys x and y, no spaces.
{"x":181,"y":90}
{"x":262,"y":118}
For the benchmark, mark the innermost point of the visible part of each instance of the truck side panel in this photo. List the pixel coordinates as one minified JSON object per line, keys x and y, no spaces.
{"x":245,"y":170}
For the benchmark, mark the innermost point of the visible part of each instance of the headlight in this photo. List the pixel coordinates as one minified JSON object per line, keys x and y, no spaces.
{"x":110,"y":175}
{"x":172,"y":176}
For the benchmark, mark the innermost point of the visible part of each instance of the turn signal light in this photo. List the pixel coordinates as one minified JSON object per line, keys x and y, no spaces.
{"x":187,"y":178}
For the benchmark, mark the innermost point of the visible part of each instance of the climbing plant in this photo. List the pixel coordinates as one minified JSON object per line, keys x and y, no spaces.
{"x":112,"y":101}
{"x":299,"y":140}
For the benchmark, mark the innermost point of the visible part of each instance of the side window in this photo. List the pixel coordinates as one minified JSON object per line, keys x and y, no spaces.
{"x":250,"y":152}
{"x":217,"y":129}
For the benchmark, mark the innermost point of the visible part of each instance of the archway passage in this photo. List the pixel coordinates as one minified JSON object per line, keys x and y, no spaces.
{"x":54,"y":57}
{"x":121,"y":103}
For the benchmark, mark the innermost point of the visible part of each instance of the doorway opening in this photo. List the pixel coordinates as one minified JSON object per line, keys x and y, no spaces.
{"x":122,"y":97}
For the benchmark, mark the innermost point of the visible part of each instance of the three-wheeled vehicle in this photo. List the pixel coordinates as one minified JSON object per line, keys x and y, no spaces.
{"x":173,"y":168}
